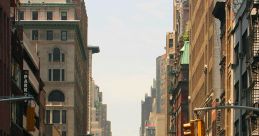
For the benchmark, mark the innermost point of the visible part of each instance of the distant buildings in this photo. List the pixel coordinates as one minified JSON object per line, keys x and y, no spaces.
{"x":100,"y":126}
{"x":152,"y":122}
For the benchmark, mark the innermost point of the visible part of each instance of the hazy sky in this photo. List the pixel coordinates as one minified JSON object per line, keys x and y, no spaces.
{"x":131,"y":34}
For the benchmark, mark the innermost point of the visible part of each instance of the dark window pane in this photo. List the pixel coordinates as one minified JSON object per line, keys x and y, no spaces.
{"x":49,"y":35}
{"x":171,"y":43}
{"x":56,"y":54}
{"x":64,"y":117}
{"x":50,"y":73}
{"x":63,"y":57}
{"x":34,"y":15}
{"x":56,"y":116}
{"x":49,"y":15}
{"x":50,"y":57}
{"x":56,"y":96}
{"x":63,"y":15}
{"x":34,"y":34}
{"x":64,"y":133}
{"x":63,"y":35}
{"x":63,"y":75}
{"x":56,"y":74}
{"x":21,"y":15}
{"x":47,"y":116}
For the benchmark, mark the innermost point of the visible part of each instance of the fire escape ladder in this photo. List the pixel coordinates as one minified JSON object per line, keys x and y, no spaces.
{"x":253,"y":92}
{"x":255,"y":65}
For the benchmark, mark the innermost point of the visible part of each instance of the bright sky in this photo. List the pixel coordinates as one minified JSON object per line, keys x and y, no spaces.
{"x":131,"y":34}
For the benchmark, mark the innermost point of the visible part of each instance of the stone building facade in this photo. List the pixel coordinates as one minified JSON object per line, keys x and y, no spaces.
{"x":58,"y":30}
{"x":204,"y":72}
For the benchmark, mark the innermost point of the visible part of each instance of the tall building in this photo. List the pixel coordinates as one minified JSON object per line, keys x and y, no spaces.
{"x":224,"y":12}
{"x":170,"y":63}
{"x":19,"y":78}
{"x":239,"y":41}
{"x":5,"y":65}
{"x":58,"y":31}
{"x":108,"y":128}
{"x":95,"y":110}
{"x":146,"y":108}
{"x":245,"y":66}
{"x":178,"y":69}
{"x":163,"y":97}
{"x":204,"y":68}
{"x":31,"y":71}
{"x":91,"y":50}
{"x":154,"y":122}
{"x":99,"y":124}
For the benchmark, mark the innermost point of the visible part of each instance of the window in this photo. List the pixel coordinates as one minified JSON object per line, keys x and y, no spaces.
{"x":34,"y":35}
{"x":16,"y":113}
{"x":49,"y":15}
{"x":56,"y":54}
{"x":64,"y":117}
{"x":50,"y":74}
{"x":245,"y":43}
{"x":47,"y":117}
{"x":56,"y":74}
{"x":50,"y":57}
{"x":56,"y":96}
{"x":236,"y":50}
{"x":171,"y":43}
{"x":49,"y":35}
{"x":56,"y":116}
{"x":63,"y":35}
{"x":21,"y":15}
{"x":64,"y":133}
{"x":16,"y":73}
{"x":63,"y":57}
{"x":63,"y":15}
{"x":62,"y":74}
{"x":237,"y":92}
{"x":34,"y":15}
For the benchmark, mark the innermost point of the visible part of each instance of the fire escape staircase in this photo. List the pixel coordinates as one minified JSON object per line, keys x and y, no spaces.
{"x":253,"y":91}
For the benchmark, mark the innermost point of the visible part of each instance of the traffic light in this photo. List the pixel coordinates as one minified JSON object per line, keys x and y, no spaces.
{"x":30,"y":122}
{"x":188,"y":129}
{"x":200,"y":127}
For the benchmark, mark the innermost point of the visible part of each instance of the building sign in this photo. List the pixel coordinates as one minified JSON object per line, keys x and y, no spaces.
{"x":25,"y":82}
{"x":218,"y":121}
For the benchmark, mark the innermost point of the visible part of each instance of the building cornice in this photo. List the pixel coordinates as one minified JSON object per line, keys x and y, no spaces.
{"x":32,"y":5}
{"x":57,"y":24}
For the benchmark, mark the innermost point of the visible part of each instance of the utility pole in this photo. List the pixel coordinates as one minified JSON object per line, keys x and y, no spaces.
{"x":226,"y":107}
{"x":15,"y":98}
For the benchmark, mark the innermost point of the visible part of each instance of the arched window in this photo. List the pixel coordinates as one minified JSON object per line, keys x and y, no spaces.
{"x":56,"y":54}
{"x":56,"y":96}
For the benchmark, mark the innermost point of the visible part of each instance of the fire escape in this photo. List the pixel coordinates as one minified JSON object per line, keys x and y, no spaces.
{"x":253,"y":91}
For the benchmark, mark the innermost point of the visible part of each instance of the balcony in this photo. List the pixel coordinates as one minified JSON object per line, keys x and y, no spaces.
{"x":252,"y":94}
{"x":254,"y":48}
